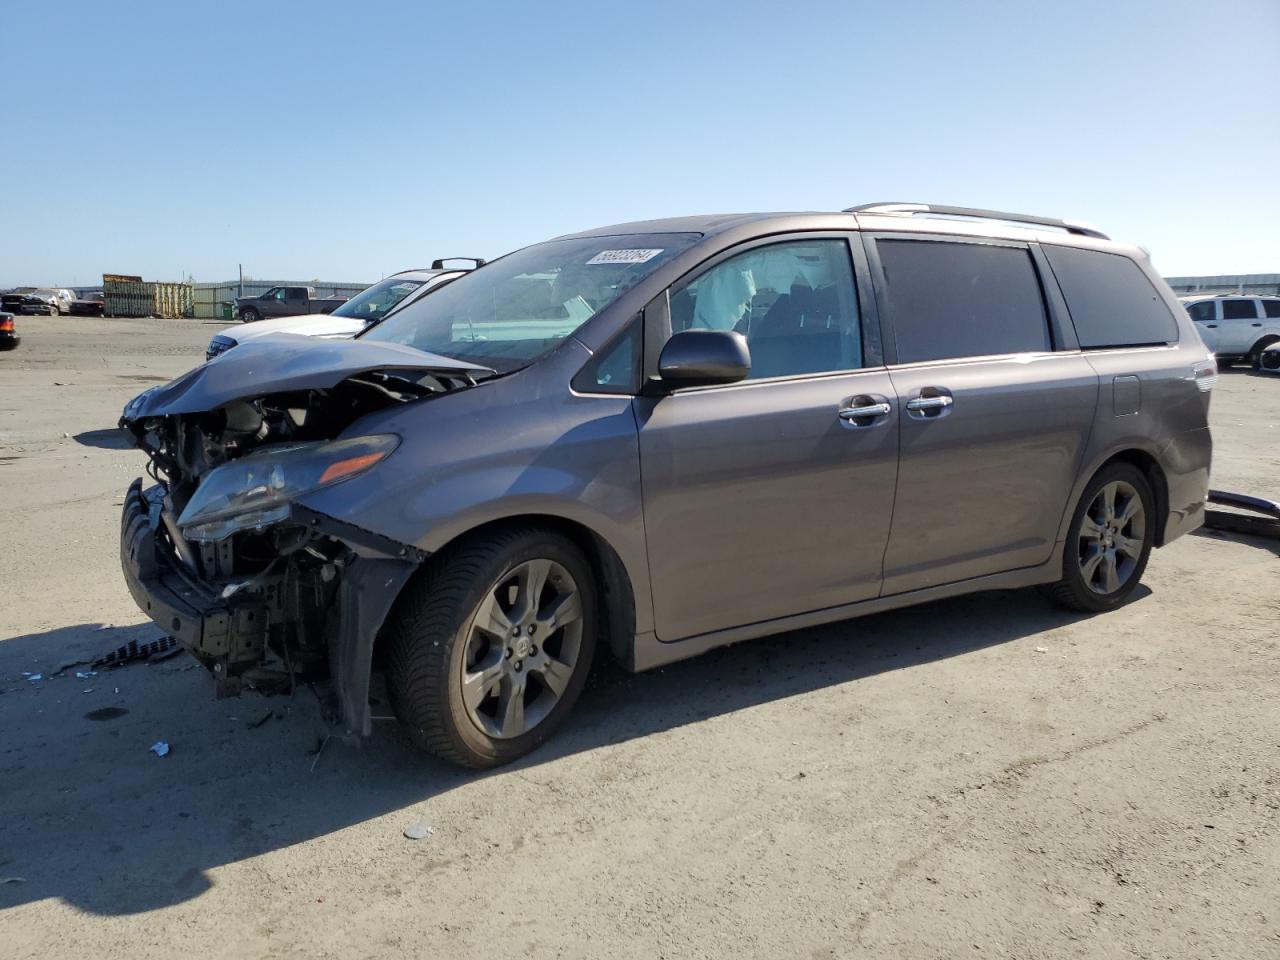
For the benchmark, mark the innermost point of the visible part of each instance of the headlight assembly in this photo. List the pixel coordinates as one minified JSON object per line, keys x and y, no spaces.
{"x":256,"y":490}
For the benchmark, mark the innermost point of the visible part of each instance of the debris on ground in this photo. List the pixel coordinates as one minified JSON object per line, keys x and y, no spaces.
{"x":4,"y":880}
{"x":85,"y":674}
{"x":67,"y":665}
{"x":160,"y":748}
{"x":419,"y":831}
{"x":320,"y":745}
{"x":1042,"y":649}
{"x":33,"y":677}
{"x":133,"y":650}
{"x":255,"y":724}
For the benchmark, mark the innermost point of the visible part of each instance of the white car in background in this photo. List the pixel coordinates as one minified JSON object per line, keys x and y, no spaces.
{"x":363,"y":310}
{"x":1236,"y":327}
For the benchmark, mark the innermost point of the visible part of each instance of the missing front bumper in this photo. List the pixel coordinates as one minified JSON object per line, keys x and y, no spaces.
{"x":237,"y":634}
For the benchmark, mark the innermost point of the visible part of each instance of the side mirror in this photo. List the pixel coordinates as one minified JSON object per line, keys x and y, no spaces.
{"x":702,"y":358}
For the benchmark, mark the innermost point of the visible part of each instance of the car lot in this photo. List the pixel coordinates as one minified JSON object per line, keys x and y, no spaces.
{"x":983,"y":775}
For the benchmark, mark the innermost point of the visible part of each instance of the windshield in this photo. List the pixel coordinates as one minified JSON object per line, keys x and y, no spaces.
{"x":375,"y":302}
{"x":515,"y":309}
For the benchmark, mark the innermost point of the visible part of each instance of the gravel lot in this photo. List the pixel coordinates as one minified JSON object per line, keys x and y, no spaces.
{"x":980,"y":776}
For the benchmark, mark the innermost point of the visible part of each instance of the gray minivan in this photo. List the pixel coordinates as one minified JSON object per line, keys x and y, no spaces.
{"x":657,"y":438}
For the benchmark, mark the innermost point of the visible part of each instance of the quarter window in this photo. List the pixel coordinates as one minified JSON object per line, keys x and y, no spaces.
{"x":794,"y":302}
{"x":948,"y":300}
{"x":1239,"y":310}
{"x":1271,"y":308}
{"x":1112,"y":303}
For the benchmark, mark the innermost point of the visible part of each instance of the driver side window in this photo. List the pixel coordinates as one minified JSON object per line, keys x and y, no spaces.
{"x":793,"y":301}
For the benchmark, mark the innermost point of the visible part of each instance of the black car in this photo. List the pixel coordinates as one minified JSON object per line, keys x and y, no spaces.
{"x":8,"y":334}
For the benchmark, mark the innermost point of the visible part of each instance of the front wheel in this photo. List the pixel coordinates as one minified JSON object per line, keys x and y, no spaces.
{"x":249,"y":315}
{"x":53,"y":310}
{"x":492,"y":646}
{"x":1109,"y":542}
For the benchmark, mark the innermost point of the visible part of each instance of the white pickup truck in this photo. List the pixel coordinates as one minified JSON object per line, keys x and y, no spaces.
{"x":1236,"y":327}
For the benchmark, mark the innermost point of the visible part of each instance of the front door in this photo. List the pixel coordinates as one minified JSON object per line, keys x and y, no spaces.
{"x":992,"y":420}
{"x":772,"y":496}
{"x":1205,"y":315}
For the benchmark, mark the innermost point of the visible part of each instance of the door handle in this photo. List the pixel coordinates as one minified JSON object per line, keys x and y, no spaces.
{"x":867,"y":410}
{"x":929,"y":403}
{"x":1255,"y":324}
{"x":1212,"y":326}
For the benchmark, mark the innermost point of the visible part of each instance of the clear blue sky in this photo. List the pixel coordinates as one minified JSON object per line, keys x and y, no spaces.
{"x":345,"y":141}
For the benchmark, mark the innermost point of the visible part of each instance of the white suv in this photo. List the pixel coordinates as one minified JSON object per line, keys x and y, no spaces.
{"x":1236,"y":327}
{"x":366,"y":308}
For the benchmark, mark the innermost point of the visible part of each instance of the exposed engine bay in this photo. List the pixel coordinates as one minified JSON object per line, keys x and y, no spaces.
{"x":264,"y":592}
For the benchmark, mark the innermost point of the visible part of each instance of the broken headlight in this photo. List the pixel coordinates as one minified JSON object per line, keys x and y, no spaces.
{"x":256,"y":490}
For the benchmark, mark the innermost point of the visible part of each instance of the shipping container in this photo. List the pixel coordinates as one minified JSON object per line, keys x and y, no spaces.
{"x":136,"y":298}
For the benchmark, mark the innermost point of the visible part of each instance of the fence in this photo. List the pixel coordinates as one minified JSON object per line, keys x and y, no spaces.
{"x":209,"y":299}
{"x":1248,"y":284}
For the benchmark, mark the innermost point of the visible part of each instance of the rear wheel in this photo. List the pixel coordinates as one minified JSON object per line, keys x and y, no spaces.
{"x":492,"y":647}
{"x":1109,"y":543}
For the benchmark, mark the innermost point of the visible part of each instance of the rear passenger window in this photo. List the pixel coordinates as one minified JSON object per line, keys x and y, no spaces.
{"x":949,"y":299}
{"x":1112,"y":302}
{"x":1239,"y":310}
{"x":794,"y":302}
{"x":1272,"y":307}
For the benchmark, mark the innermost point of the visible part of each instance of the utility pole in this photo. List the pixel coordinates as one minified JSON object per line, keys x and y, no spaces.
{"x":240,"y":288}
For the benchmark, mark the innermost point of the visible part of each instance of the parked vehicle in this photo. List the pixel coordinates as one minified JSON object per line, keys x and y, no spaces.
{"x":1234,"y":327}
{"x":658,"y":438}
{"x":285,"y":302}
{"x":367,"y":307}
{"x":8,"y":332}
{"x":38,"y":300}
{"x":92,"y":304}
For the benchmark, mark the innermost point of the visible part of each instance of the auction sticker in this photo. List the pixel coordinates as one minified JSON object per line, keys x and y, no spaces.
{"x":624,"y":256}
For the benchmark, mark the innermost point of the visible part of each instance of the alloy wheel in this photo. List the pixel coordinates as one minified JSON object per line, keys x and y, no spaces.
{"x":523,"y":642}
{"x":1112,"y":533}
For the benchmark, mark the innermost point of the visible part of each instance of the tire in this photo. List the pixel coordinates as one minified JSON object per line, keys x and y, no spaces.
{"x":53,"y":310}
{"x":1255,"y":354}
{"x":1100,"y":571}
{"x":249,"y":315}
{"x":455,"y":622}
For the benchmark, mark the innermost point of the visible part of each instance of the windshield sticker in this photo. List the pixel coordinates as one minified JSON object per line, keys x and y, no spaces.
{"x":624,"y":256}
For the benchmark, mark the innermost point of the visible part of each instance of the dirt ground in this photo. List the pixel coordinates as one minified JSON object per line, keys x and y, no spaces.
{"x":984,"y":776}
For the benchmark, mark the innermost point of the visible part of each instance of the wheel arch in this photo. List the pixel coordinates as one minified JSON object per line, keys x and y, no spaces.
{"x":1264,"y":341}
{"x":1150,"y":467}
{"x":614,"y":588}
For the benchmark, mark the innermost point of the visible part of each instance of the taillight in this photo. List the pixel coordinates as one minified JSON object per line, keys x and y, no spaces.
{"x":1205,"y":374}
{"x":6,"y":324}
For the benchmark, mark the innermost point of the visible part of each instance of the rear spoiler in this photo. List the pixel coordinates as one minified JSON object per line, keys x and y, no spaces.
{"x":439,"y":264}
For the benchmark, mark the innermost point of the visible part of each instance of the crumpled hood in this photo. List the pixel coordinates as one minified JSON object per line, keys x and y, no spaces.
{"x":281,"y":363}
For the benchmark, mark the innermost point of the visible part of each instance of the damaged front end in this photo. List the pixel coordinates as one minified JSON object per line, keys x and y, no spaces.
{"x":219,"y":552}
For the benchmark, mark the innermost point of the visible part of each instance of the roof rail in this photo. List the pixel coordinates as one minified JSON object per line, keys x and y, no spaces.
{"x":911,"y":209}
